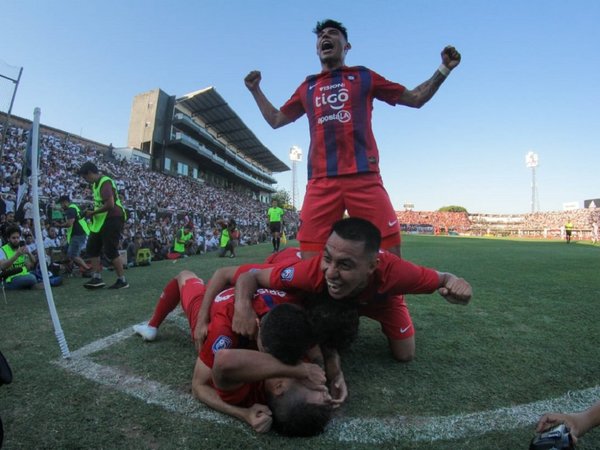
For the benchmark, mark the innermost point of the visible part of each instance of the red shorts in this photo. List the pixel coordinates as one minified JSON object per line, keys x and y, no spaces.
{"x":192,"y":294}
{"x":362,"y":195}
{"x":393,"y":316}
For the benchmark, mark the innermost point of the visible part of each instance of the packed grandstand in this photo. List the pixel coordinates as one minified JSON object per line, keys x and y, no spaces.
{"x":159,"y":204}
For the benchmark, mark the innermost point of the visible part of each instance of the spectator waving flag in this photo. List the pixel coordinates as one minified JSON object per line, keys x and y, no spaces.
{"x":25,"y":172}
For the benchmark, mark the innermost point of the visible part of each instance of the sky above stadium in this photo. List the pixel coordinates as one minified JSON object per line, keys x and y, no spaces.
{"x":528,"y":81}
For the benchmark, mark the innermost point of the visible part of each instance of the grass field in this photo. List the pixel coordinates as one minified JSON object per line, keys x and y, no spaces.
{"x":483,"y":373}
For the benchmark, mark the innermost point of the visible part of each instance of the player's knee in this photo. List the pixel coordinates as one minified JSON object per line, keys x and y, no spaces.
{"x":403,"y":351}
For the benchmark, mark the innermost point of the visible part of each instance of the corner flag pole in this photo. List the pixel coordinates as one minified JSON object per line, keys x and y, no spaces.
{"x":58,"y":332}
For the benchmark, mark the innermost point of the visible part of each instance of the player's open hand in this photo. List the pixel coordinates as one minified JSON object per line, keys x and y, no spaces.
{"x":252,"y":80}
{"x":450,"y":57}
{"x":313,"y":376}
{"x":259,"y":417}
{"x":455,"y":290}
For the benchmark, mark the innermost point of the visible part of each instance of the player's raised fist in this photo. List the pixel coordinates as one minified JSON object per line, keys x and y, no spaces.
{"x":450,"y":57}
{"x":252,"y":80}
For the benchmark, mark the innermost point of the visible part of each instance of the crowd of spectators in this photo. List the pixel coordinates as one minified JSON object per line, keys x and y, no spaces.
{"x":158,"y":205}
{"x":548,"y":225}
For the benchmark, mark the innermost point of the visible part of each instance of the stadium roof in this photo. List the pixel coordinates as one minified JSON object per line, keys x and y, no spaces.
{"x":214,"y":111}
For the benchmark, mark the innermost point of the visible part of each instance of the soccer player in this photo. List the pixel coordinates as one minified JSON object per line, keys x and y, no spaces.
{"x":353,"y":269}
{"x":108,"y":219}
{"x":257,"y":387}
{"x":343,"y":159}
{"x":275,"y":215}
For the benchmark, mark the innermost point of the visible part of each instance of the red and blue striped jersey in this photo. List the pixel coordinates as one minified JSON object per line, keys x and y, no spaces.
{"x":339,"y":106}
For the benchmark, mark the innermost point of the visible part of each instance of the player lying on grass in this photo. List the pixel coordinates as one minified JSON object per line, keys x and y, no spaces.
{"x":353,"y":269}
{"x":259,"y":388}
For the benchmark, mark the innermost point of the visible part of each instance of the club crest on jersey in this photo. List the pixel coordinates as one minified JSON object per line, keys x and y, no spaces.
{"x":287,"y":274}
{"x":220,"y":343}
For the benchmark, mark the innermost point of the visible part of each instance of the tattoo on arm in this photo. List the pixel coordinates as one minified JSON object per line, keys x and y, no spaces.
{"x":420,"y":95}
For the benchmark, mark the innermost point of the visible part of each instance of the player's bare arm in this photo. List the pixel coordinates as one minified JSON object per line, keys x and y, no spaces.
{"x":335,"y":377}
{"x":453,"y":289}
{"x":244,"y":316}
{"x":222,"y":278}
{"x":272,"y":115}
{"x":257,"y":416}
{"x":234,"y":367}
{"x":420,"y":95}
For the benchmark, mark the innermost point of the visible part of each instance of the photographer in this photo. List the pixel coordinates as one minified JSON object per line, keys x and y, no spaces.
{"x":14,"y":255}
{"x":578,"y":423}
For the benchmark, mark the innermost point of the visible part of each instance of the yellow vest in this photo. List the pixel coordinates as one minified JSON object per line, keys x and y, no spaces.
{"x":224,"y":237}
{"x":179,"y":247}
{"x":81,"y":220}
{"x":98,"y":219}
{"x":19,"y":262}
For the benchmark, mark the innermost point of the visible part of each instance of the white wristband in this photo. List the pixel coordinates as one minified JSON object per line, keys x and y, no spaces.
{"x":444,"y":70}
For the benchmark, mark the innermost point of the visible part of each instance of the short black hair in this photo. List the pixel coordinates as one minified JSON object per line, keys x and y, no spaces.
{"x":335,"y":322}
{"x":286,"y":333}
{"x":64,"y":198}
{"x":12,"y":229}
{"x":294,"y":417}
{"x":87,"y":167}
{"x":360,"y":230}
{"x":329,"y":23}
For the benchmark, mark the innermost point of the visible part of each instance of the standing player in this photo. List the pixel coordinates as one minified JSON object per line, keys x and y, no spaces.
{"x":275,"y":216}
{"x":343,"y":159}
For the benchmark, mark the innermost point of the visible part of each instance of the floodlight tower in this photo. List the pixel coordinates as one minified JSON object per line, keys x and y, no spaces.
{"x":532,"y":161}
{"x":295,"y":157}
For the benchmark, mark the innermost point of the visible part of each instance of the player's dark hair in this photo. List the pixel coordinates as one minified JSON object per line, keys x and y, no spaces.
{"x":286,"y":333}
{"x":64,"y":198}
{"x":329,"y":23}
{"x":359,"y":230}
{"x":294,"y":417}
{"x":335,"y":323}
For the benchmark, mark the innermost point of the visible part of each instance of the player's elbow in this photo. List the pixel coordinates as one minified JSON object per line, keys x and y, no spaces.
{"x":224,"y":365}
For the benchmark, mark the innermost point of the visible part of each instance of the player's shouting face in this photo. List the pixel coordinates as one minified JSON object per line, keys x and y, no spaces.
{"x":346,"y":266}
{"x":331,"y":46}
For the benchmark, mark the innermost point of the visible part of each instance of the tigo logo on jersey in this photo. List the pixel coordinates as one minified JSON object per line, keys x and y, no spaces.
{"x":220,"y":343}
{"x":287,"y":274}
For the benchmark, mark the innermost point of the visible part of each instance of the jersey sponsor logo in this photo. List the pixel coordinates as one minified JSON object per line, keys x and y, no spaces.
{"x":340,"y":116}
{"x":287,"y":274}
{"x":335,"y":100}
{"x":221,"y":342}
{"x":263,"y":291}
{"x":224,"y":295}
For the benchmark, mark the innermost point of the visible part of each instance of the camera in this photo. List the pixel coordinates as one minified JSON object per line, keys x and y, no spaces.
{"x":556,"y":438}
{"x":22,"y":243}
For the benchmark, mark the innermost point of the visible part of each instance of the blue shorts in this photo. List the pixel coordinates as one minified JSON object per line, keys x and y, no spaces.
{"x":76,"y":245}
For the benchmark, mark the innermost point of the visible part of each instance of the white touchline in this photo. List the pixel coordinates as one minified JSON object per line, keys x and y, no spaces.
{"x":359,"y":430}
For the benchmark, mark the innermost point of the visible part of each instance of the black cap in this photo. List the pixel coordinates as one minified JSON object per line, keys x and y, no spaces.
{"x":86,"y":168}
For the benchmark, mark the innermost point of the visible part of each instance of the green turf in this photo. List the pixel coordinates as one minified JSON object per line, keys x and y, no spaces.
{"x":529,"y":334}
